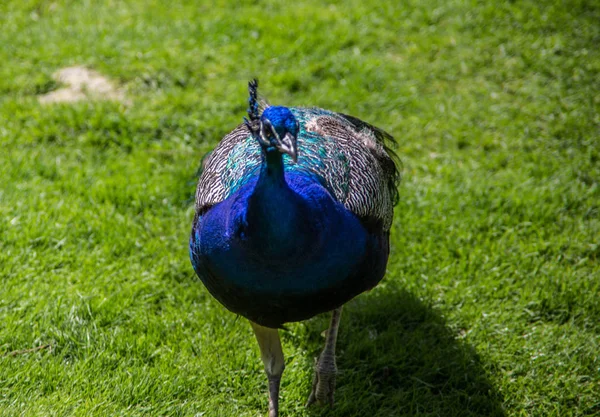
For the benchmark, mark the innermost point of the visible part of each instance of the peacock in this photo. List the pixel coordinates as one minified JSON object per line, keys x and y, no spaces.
{"x":293,"y":216}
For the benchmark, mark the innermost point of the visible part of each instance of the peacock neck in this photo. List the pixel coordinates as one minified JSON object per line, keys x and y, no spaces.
{"x":276,"y":215}
{"x":272,"y":169}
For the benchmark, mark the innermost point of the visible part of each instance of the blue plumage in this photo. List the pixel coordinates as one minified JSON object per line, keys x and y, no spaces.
{"x":293,"y":211}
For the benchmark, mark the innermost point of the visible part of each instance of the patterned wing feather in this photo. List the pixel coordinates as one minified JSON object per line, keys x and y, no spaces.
{"x":235,"y":158}
{"x":373,"y":174}
{"x":383,"y":151}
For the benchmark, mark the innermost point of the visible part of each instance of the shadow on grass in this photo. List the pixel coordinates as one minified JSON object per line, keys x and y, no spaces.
{"x":397,"y":357}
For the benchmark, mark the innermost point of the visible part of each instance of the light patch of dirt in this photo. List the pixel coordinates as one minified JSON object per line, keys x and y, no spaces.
{"x":82,"y":84}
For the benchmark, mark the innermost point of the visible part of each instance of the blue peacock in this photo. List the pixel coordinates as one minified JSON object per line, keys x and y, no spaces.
{"x":293,"y":214}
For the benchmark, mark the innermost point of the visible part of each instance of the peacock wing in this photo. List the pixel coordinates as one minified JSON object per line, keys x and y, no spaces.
{"x":235,"y":159}
{"x":370,"y":186}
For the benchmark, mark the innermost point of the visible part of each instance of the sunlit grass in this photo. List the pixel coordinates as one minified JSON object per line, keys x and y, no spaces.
{"x":490,"y":305}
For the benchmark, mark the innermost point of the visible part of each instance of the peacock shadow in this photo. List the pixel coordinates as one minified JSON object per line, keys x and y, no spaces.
{"x":397,"y":356}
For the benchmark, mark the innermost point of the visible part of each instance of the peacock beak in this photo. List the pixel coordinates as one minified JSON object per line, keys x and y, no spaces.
{"x":288,"y":145}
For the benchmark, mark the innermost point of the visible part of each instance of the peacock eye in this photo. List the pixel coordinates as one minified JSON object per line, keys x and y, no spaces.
{"x":267,"y":129}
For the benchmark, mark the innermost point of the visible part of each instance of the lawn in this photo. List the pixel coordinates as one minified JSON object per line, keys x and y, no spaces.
{"x":490,"y":306}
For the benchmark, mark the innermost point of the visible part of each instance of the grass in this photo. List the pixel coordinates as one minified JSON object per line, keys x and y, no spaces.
{"x":490,"y":305}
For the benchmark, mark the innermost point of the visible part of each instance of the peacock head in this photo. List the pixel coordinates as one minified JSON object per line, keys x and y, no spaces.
{"x":279,"y":131}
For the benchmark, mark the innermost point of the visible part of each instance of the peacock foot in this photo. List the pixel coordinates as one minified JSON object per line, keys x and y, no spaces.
{"x":323,"y":385}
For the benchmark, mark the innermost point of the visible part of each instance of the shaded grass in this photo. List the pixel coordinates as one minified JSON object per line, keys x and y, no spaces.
{"x":490,"y":302}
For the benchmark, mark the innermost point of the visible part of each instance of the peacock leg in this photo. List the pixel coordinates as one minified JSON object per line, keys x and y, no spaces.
{"x":272,"y":357}
{"x":323,"y":385}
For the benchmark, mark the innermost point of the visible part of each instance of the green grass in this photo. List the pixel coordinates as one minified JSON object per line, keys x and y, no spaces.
{"x":490,"y":305}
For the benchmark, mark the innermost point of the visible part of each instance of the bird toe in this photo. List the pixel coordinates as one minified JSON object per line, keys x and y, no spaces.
{"x":323,"y":386}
